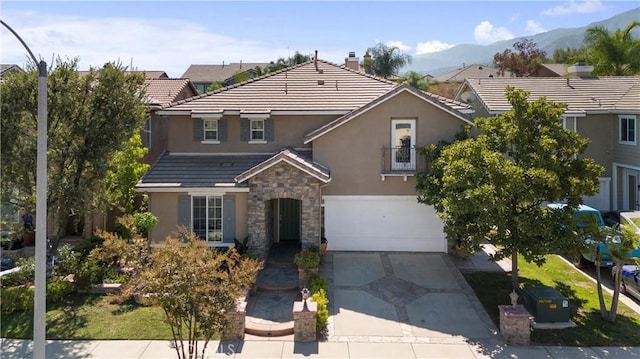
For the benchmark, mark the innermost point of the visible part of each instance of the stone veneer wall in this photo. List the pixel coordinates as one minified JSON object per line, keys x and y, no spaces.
{"x":282,"y":181}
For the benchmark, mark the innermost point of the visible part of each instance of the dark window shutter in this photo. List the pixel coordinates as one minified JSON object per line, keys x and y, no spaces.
{"x":184,"y":211}
{"x":222,"y":129}
{"x":228,"y":218}
{"x":245,"y":130}
{"x":268,"y":130}
{"x":198,"y":129}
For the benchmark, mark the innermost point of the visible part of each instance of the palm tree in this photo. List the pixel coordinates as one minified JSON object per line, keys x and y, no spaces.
{"x":385,"y":61}
{"x":613,"y":54}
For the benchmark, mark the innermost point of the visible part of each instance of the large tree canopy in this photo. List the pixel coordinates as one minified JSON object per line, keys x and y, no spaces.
{"x":384,"y":61}
{"x":613,"y":53}
{"x":522,"y":62}
{"x":90,"y":117}
{"x":492,"y":187}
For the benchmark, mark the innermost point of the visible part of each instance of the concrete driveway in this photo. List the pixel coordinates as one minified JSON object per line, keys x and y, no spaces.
{"x":403,"y":298}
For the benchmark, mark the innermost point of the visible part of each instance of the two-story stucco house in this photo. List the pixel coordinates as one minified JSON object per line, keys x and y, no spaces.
{"x":312,"y":148}
{"x":603,"y":109}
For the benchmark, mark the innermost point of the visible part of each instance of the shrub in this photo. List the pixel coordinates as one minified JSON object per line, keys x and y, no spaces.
{"x":24,"y":276}
{"x":16,"y":299}
{"x":144,"y":222}
{"x":318,"y":282}
{"x":85,"y":247}
{"x":322,"y":316}
{"x":58,"y":290}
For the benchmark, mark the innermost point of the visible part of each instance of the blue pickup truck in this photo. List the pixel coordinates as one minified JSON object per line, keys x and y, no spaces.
{"x":584,"y":216}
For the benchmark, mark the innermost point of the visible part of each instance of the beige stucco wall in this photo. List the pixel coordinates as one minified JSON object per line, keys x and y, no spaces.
{"x":353,"y":151}
{"x":165,"y":207}
{"x":288,"y":131}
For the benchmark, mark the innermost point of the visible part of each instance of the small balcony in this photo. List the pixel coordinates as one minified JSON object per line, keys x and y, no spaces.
{"x":402,"y":162}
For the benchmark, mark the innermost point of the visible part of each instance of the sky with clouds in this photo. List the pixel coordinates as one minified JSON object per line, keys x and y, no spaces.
{"x":171,"y":35}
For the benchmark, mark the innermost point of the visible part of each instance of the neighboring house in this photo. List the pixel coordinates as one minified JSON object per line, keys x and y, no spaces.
{"x":161,"y":92}
{"x":6,"y":69}
{"x":203,"y":76}
{"x":603,"y":109}
{"x":147,"y":74}
{"x":551,"y":70}
{"x":315,"y":148}
{"x":448,"y":84}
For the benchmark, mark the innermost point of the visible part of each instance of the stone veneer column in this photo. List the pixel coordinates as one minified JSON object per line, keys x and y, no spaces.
{"x":236,"y":322}
{"x":515,"y":324}
{"x":282,"y":181}
{"x":304,"y":321}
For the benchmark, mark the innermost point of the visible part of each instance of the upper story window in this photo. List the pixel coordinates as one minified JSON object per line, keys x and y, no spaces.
{"x":403,"y":145}
{"x":627,"y":133}
{"x":210,"y":130}
{"x":257,"y":130}
{"x":147,"y":133}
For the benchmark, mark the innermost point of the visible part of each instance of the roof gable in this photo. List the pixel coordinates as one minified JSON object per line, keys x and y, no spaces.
{"x":452,"y":107}
{"x":163,"y":91}
{"x":293,"y":158}
{"x":312,"y":86}
{"x":219,"y":73}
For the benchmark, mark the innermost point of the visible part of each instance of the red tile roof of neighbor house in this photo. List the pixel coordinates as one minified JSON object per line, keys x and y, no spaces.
{"x":610,"y":94}
{"x":161,"y":92}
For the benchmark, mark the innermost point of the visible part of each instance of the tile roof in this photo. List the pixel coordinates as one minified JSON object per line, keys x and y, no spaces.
{"x":559,"y":69}
{"x":7,"y":68}
{"x":161,"y":92}
{"x":471,"y":71}
{"x":147,"y":74}
{"x":293,"y":158}
{"x":297,"y":88}
{"x":456,"y":108}
{"x":213,"y":73}
{"x":603,"y":94}
{"x":198,"y":170}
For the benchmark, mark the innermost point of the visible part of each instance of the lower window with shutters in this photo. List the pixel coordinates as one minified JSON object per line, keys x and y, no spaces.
{"x":207,"y":217}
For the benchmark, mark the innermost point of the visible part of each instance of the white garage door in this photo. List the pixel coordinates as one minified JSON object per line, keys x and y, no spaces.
{"x":382,"y":223}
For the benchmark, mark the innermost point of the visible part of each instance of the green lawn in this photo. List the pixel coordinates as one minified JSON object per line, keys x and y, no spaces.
{"x":493,"y":289}
{"x":86,"y":316}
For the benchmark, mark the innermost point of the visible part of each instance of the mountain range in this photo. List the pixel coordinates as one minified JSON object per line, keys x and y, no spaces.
{"x":437,"y":63}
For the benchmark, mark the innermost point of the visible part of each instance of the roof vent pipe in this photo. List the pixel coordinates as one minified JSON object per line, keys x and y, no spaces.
{"x":315,"y":60}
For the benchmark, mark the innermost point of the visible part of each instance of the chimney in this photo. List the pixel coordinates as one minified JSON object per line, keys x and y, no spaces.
{"x":315,"y":60}
{"x":352,"y":62}
{"x":580,"y":69}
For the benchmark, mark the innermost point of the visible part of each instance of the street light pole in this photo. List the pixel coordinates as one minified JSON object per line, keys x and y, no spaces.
{"x":40,"y":299}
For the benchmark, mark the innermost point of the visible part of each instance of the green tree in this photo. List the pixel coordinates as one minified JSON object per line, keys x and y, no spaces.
{"x":492,"y":187}
{"x":216,"y":85}
{"x":283,"y":63}
{"x":195,"y":286}
{"x":415,"y":79}
{"x":613,"y":54}
{"x":620,"y":241}
{"x":124,"y":171}
{"x":91,"y":116}
{"x":385,"y":61}
{"x":568,"y":55}
{"x":522,"y":62}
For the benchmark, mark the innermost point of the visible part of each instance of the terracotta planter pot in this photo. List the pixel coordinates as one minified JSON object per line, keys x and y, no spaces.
{"x":29,"y":238}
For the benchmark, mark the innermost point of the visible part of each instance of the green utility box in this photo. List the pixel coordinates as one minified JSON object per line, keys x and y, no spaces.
{"x":546,"y":304}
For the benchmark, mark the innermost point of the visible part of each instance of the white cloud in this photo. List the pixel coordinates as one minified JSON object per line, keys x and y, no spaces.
{"x":399,"y":44}
{"x":147,"y":44}
{"x":575,"y":7}
{"x":431,"y":46}
{"x":486,"y":33}
{"x":534,"y":28}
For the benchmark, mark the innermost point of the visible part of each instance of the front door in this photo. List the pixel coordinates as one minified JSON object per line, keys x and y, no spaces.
{"x":289,"y":224}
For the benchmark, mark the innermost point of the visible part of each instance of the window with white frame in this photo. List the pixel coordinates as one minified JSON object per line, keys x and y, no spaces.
{"x":210,"y":130}
{"x":147,"y":131}
{"x":207,"y":217}
{"x":257,"y":130}
{"x":627,"y":125}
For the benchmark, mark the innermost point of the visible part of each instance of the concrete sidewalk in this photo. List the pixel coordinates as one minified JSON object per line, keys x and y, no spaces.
{"x":267,"y":349}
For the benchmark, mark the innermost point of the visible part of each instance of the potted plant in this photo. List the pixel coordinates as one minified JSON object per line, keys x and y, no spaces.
{"x":308,"y":261}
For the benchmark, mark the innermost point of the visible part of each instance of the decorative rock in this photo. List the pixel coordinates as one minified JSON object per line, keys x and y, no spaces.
{"x":304,"y":321}
{"x":515,"y":324}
